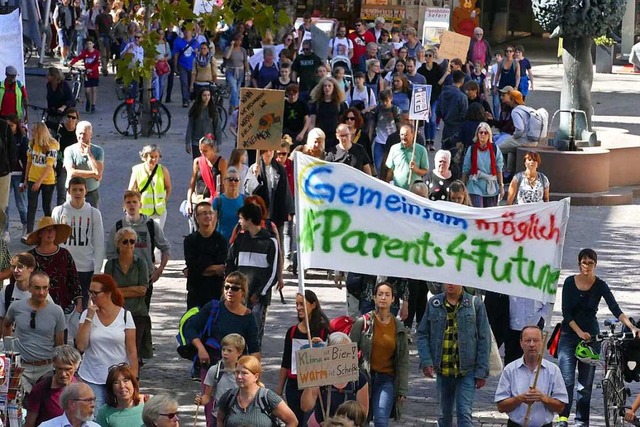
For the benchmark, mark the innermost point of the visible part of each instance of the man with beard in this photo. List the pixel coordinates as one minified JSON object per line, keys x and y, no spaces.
{"x":79,"y":403}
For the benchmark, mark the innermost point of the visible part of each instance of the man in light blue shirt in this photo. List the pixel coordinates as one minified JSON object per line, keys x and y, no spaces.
{"x":515,"y":391}
{"x":79,"y":403}
{"x":404,"y":163}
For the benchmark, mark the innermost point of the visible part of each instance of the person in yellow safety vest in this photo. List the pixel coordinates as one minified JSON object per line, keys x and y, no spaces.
{"x":155,"y":191}
{"x":13,"y":95}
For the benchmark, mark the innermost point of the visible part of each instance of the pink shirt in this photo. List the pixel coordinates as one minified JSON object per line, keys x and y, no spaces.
{"x":479,"y":52}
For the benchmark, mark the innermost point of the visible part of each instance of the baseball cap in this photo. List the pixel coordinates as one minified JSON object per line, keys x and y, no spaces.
{"x":507,"y":89}
{"x":11,"y":71}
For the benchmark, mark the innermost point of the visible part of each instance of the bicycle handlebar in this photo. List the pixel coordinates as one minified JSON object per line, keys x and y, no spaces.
{"x":616,"y":336}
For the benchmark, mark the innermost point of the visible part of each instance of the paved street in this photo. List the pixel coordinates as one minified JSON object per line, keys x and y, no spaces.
{"x":612,"y":231}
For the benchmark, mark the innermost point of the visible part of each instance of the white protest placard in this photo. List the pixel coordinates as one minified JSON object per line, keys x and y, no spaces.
{"x":420,"y":102}
{"x":327,"y":365}
{"x":436,"y":22}
{"x":453,"y":45}
{"x":11,"y":52}
{"x":350,"y":221}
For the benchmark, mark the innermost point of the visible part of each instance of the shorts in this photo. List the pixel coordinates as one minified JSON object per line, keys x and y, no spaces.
{"x":91,"y":82}
{"x":63,"y":37}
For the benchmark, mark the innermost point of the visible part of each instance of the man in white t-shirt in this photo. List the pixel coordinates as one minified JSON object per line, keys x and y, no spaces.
{"x":340,"y":45}
{"x":361,"y":96}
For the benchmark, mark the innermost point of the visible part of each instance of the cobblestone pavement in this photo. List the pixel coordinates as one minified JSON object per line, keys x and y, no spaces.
{"x":612,"y":231}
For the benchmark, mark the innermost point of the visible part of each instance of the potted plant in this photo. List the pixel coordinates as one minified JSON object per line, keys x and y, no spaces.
{"x":604,"y":54}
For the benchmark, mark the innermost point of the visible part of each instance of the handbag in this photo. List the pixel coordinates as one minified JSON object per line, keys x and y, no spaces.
{"x":554,"y":341}
{"x":162,"y":67}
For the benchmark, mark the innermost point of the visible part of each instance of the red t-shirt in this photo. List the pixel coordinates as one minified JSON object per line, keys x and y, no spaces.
{"x":91,"y":62}
{"x":45,"y":401}
{"x":360,"y":45}
{"x":9,"y":99}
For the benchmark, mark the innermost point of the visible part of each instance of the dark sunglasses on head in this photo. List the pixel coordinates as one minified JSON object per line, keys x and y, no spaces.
{"x":118,"y":365}
{"x":32,"y":323}
{"x":233,"y":288}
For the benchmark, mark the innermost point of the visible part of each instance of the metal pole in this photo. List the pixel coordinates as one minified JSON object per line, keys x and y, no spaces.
{"x":47,"y":9}
{"x":572,"y":132}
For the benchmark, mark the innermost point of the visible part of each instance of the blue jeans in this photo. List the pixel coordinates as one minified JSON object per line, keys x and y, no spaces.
{"x":383,"y":395}
{"x":259,"y":311}
{"x":378,"y":156}
{"x":21,"y":200}
{"x":478,"y":201}
{"x":100,"y":391}
{"x":431,"y":127}
{"x":185,"y":83}
{"x":458,"y":390}
{"x":234,"y":80}
{"x":567,"y":363}
{"x":495,"y":97}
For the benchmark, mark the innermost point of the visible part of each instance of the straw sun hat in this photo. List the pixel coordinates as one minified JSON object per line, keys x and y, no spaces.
{"x":63,"y":231}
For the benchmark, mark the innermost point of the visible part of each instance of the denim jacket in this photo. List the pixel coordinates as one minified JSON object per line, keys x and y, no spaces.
{"x":474,"y":337}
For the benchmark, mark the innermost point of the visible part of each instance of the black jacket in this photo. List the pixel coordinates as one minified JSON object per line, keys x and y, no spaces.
{"x":279,"y":202}
{"x":8,"y":150}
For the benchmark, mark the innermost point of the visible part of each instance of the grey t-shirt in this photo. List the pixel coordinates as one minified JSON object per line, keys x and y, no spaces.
{"x":252,"y":415}
{"x":73,"y":157}
{"x":36,"y":343}
{"x":226,"y":382}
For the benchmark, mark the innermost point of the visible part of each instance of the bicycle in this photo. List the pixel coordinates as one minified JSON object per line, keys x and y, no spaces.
{"x":614,"y":390}
{"x":218,"y":95}
{"x":77,"y":76}
{"x":128,"y":115}
{"x":28,"y":48}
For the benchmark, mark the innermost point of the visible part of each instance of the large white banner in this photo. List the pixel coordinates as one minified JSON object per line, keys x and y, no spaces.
{"x":11,"y":44}
{"x":350,"y":221}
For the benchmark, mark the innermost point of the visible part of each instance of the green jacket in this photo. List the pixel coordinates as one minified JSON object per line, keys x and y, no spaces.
{"x":400,"y":358}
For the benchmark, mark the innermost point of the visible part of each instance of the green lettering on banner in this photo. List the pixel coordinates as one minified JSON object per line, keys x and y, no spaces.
{"x":333,"y":227}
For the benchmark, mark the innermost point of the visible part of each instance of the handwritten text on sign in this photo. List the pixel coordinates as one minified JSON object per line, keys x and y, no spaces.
{"x":260,"y":119}
{"x":453,"y":45}
{"x":327,"y":365}
{"x":352,"y":222}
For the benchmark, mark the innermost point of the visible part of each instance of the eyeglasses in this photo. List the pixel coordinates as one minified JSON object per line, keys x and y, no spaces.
{"x":32,"y":323}
{"x":282,"y":154}
{"x":233,"y":179}
{"x":69,"y":116}
{"x":118,"y":365}
{"x":483,"y":132}
{"x":350,"y":118}
{"x":170,"y":415}
{"x":233,"y":288}
{"x":128,"y":241}
{"x":95,"y":293}
{"x":86,"y":400}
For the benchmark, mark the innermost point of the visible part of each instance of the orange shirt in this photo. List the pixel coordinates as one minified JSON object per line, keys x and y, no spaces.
{"x":383,"y":346}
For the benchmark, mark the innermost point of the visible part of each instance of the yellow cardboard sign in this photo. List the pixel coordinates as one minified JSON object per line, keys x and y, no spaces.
{"x":260,"y":119}
{"x":327,"y":365}
{"x":453,"y":45}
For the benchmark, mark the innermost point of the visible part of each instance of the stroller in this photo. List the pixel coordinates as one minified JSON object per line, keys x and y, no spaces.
{"x":345,"y":63}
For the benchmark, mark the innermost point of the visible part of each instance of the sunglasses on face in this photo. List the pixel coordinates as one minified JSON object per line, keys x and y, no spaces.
{"x":483,"y":132}
{"x":232,"y":288}
{"x":170,"y":415}
{"x":233,"y":179}
{"x":71,"y":117}
{"x":128,"y":241}
{"x":350,"y":118}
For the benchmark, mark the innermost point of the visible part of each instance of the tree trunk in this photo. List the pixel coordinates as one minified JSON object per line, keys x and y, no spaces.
{"x":576,"y":88}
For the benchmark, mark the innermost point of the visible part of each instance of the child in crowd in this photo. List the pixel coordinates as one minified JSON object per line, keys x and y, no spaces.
{"x":338,"y":74}
{"x":91,"y":57}
{"x":478,"y":75}
{"x":526,"y":76}
{"x":493,"y":71}
{"x":458,"y":193}
{"x":387,"y":117}
{"x":221,"y":376}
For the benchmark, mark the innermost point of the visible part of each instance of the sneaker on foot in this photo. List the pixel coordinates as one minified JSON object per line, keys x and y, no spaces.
{"x":185,"y":104}
{"x":6,"y":237}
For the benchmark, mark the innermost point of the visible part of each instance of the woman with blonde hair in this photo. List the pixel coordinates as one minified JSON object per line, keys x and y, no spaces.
{"x":40,"y":173}
{"x":153,"y":181}
{"x":242,"y":406}
{"x":326,"y":107}
{"x":482,"y":169}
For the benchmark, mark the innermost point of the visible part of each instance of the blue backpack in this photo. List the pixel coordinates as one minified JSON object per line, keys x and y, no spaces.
{"x":185,"y":348}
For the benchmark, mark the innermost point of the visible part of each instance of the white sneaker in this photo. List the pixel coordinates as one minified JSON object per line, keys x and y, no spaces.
{"x":24,"y":230}
{"x":6,"y":237}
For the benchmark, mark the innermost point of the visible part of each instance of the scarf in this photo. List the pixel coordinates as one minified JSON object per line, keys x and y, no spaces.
{"x":207,"y":175}
{"x":203,"y":61}
{"x":474,"y":157}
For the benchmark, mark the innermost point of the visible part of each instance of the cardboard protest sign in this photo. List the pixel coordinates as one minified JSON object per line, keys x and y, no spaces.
{"x":350,"y":221}
{"x":420,"y":102}
{"x":453,"y":45}
{"x":327,"y":365}
{"x":436,"y":22}
{"x":260,"y":119}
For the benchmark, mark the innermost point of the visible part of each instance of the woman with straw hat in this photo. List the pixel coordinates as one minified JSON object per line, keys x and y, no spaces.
{"x":57,"y":262}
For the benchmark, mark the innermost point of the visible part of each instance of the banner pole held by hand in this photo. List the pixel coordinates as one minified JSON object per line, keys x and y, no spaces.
{"x":195,"y":418}
{"x":413,"y":152}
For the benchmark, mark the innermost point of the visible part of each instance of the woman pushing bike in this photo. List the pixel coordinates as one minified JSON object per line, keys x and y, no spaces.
{"x":581,"y":295}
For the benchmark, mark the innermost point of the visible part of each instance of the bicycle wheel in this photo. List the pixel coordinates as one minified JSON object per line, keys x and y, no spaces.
{"x":162,"y":120}
{"x":613,"y":391}
{"x":222,"y":116}
{"x":121,"y":119}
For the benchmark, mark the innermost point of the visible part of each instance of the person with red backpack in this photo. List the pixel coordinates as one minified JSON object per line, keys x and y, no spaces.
{"x":295,"y":339}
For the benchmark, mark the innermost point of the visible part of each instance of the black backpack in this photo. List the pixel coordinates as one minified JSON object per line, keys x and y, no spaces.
{"x":263,"y":404}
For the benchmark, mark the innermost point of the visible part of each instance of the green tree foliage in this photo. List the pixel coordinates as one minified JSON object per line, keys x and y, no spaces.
{"x":579,"y":18}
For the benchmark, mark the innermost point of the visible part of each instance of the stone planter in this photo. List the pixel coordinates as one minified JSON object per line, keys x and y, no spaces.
{"x":604,"y":59}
